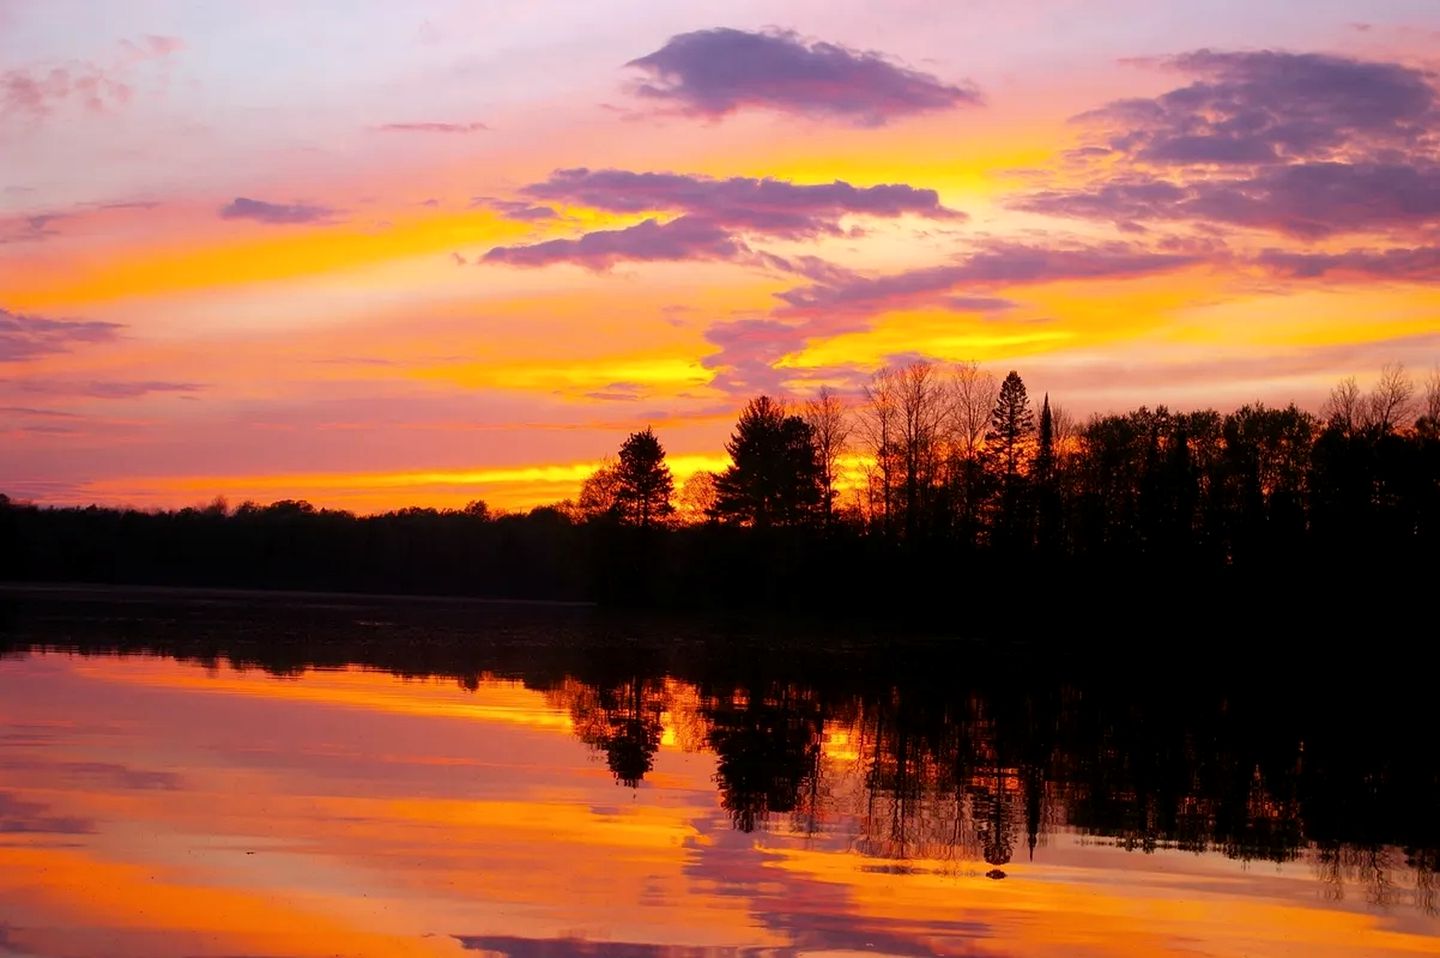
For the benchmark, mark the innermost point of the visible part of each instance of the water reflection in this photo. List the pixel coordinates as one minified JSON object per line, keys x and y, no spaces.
{"x":510,"y":793}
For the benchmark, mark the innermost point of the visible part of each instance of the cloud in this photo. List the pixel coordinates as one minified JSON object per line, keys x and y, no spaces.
{"x":152,"y":46}
{"x":1305,"y":200}
{"x":1314,"y":200}
{"x":978,"y":304}
{"x":1104,"y":371}
{"x":750,"y":348}
{"x":1271,"y":107}
{"x":1308,"y":145}
{"x":100,"y":389}
{"x":244,"y":208}
{"x":999,"y":264}
{"x":26,"y":337}
{"x":36,"y":91}
{"x":515,"y":947}
{"x":29,"y":228}
{"x":37,"y":413}
{"x":1419,"y":264}
{"x":620,"y":392}
{"x":773,"y":207}
{"x":709,"y":216}
{"x":713,"y":73}
{"x":1123,"y":200}
{"x":650,"y":241}
{"x":520,"y":210}
{"x":19,"y":816}
{"x":474,"y":127}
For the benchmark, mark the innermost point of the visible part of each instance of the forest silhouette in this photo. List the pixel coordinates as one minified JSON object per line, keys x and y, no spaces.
{"x":972,"y":754}
{"x":938,"y":482}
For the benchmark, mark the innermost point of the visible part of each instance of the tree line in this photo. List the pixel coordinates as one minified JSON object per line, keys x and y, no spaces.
{"x":937,"y":479}
{"x":954,"y":477}
{"x":937,"y":453}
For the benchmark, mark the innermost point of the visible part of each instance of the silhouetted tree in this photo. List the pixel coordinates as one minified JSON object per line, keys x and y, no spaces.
{"x":1008,"y":447}
{"x":973,"y":394}
{"x":1048,"y":506}
{"x":1044,"y":467}
{"x":1011,"y":423}
{"x":774,"y":477}
{"x":903,"y":423}
{"x":1392,"y":401}
{"x":643,"y":485}
{"x":830,"y":430}
{"x":598,"y":493}
{"x":698,"y":497}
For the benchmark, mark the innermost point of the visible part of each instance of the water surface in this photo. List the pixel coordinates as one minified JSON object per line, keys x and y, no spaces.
{"x":204,"y":780}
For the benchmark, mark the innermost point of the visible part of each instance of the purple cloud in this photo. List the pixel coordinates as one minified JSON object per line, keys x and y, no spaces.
{"x":710,"y":215}
{"x":26,"y":337}
{"x":1420,"y":264}
{"x":773,"y":207}
{"x":1307,"y":200}
{"x":713,"y":73}
{"x":432,"y":127}
{"x":1271,"y":107}
{"x":1314,"y":200}
{"x":244,"y":208}
{"x":29,"y":228}
{"x":1122,"y":200}
{"x":39,"y":413}
{"x":978,"y":304}
{"x":1000,"y":264}
{"x":749,"y":348}
{"x":101,"y":389}
{"x":682,"y":238}
{"x":1309,"y":145}
{"x":520,"y":210}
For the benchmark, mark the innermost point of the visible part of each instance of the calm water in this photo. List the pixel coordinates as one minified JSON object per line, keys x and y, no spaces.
{"x":212,"y":779}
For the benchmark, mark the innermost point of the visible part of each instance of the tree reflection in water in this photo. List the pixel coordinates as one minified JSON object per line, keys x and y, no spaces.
{"x":948,"y":752}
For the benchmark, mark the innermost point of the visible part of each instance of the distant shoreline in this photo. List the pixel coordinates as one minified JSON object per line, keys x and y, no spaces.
{"x":101,"y":591}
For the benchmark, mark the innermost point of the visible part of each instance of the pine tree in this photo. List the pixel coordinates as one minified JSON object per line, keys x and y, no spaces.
{"x":775,"y":473}
{"x":1011,"y":423}
{"x":642,"y":481}
{"x":1044,"y":466}
{"x":1007,"y":444}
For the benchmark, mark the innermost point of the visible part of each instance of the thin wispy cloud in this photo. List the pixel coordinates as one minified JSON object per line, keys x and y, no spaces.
{"x":25,"y":337}
{"x":430,"y":127}
{"x":284,"y":214}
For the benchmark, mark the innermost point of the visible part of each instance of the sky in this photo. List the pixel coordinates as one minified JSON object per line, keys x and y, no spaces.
{"x":373,"y":254}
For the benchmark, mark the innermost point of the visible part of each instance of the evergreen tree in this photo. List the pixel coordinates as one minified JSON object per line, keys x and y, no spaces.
{"x":1008,"y":442}
{"x":1011,"y":423}
{"x":775,"y":473}
{"x":1044,"y":468}
{"x":1048,"y":505}
{"x":642,"y":482}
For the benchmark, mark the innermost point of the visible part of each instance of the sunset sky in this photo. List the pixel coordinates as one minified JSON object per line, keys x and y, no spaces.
{"x":378,"y":254}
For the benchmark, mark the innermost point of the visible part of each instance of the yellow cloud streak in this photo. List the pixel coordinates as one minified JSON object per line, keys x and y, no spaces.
{"x":218,"y":260}
{"x":507,"y":487}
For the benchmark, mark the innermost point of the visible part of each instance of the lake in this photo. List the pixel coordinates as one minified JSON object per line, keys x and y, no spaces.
{"x":234,"y":775}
